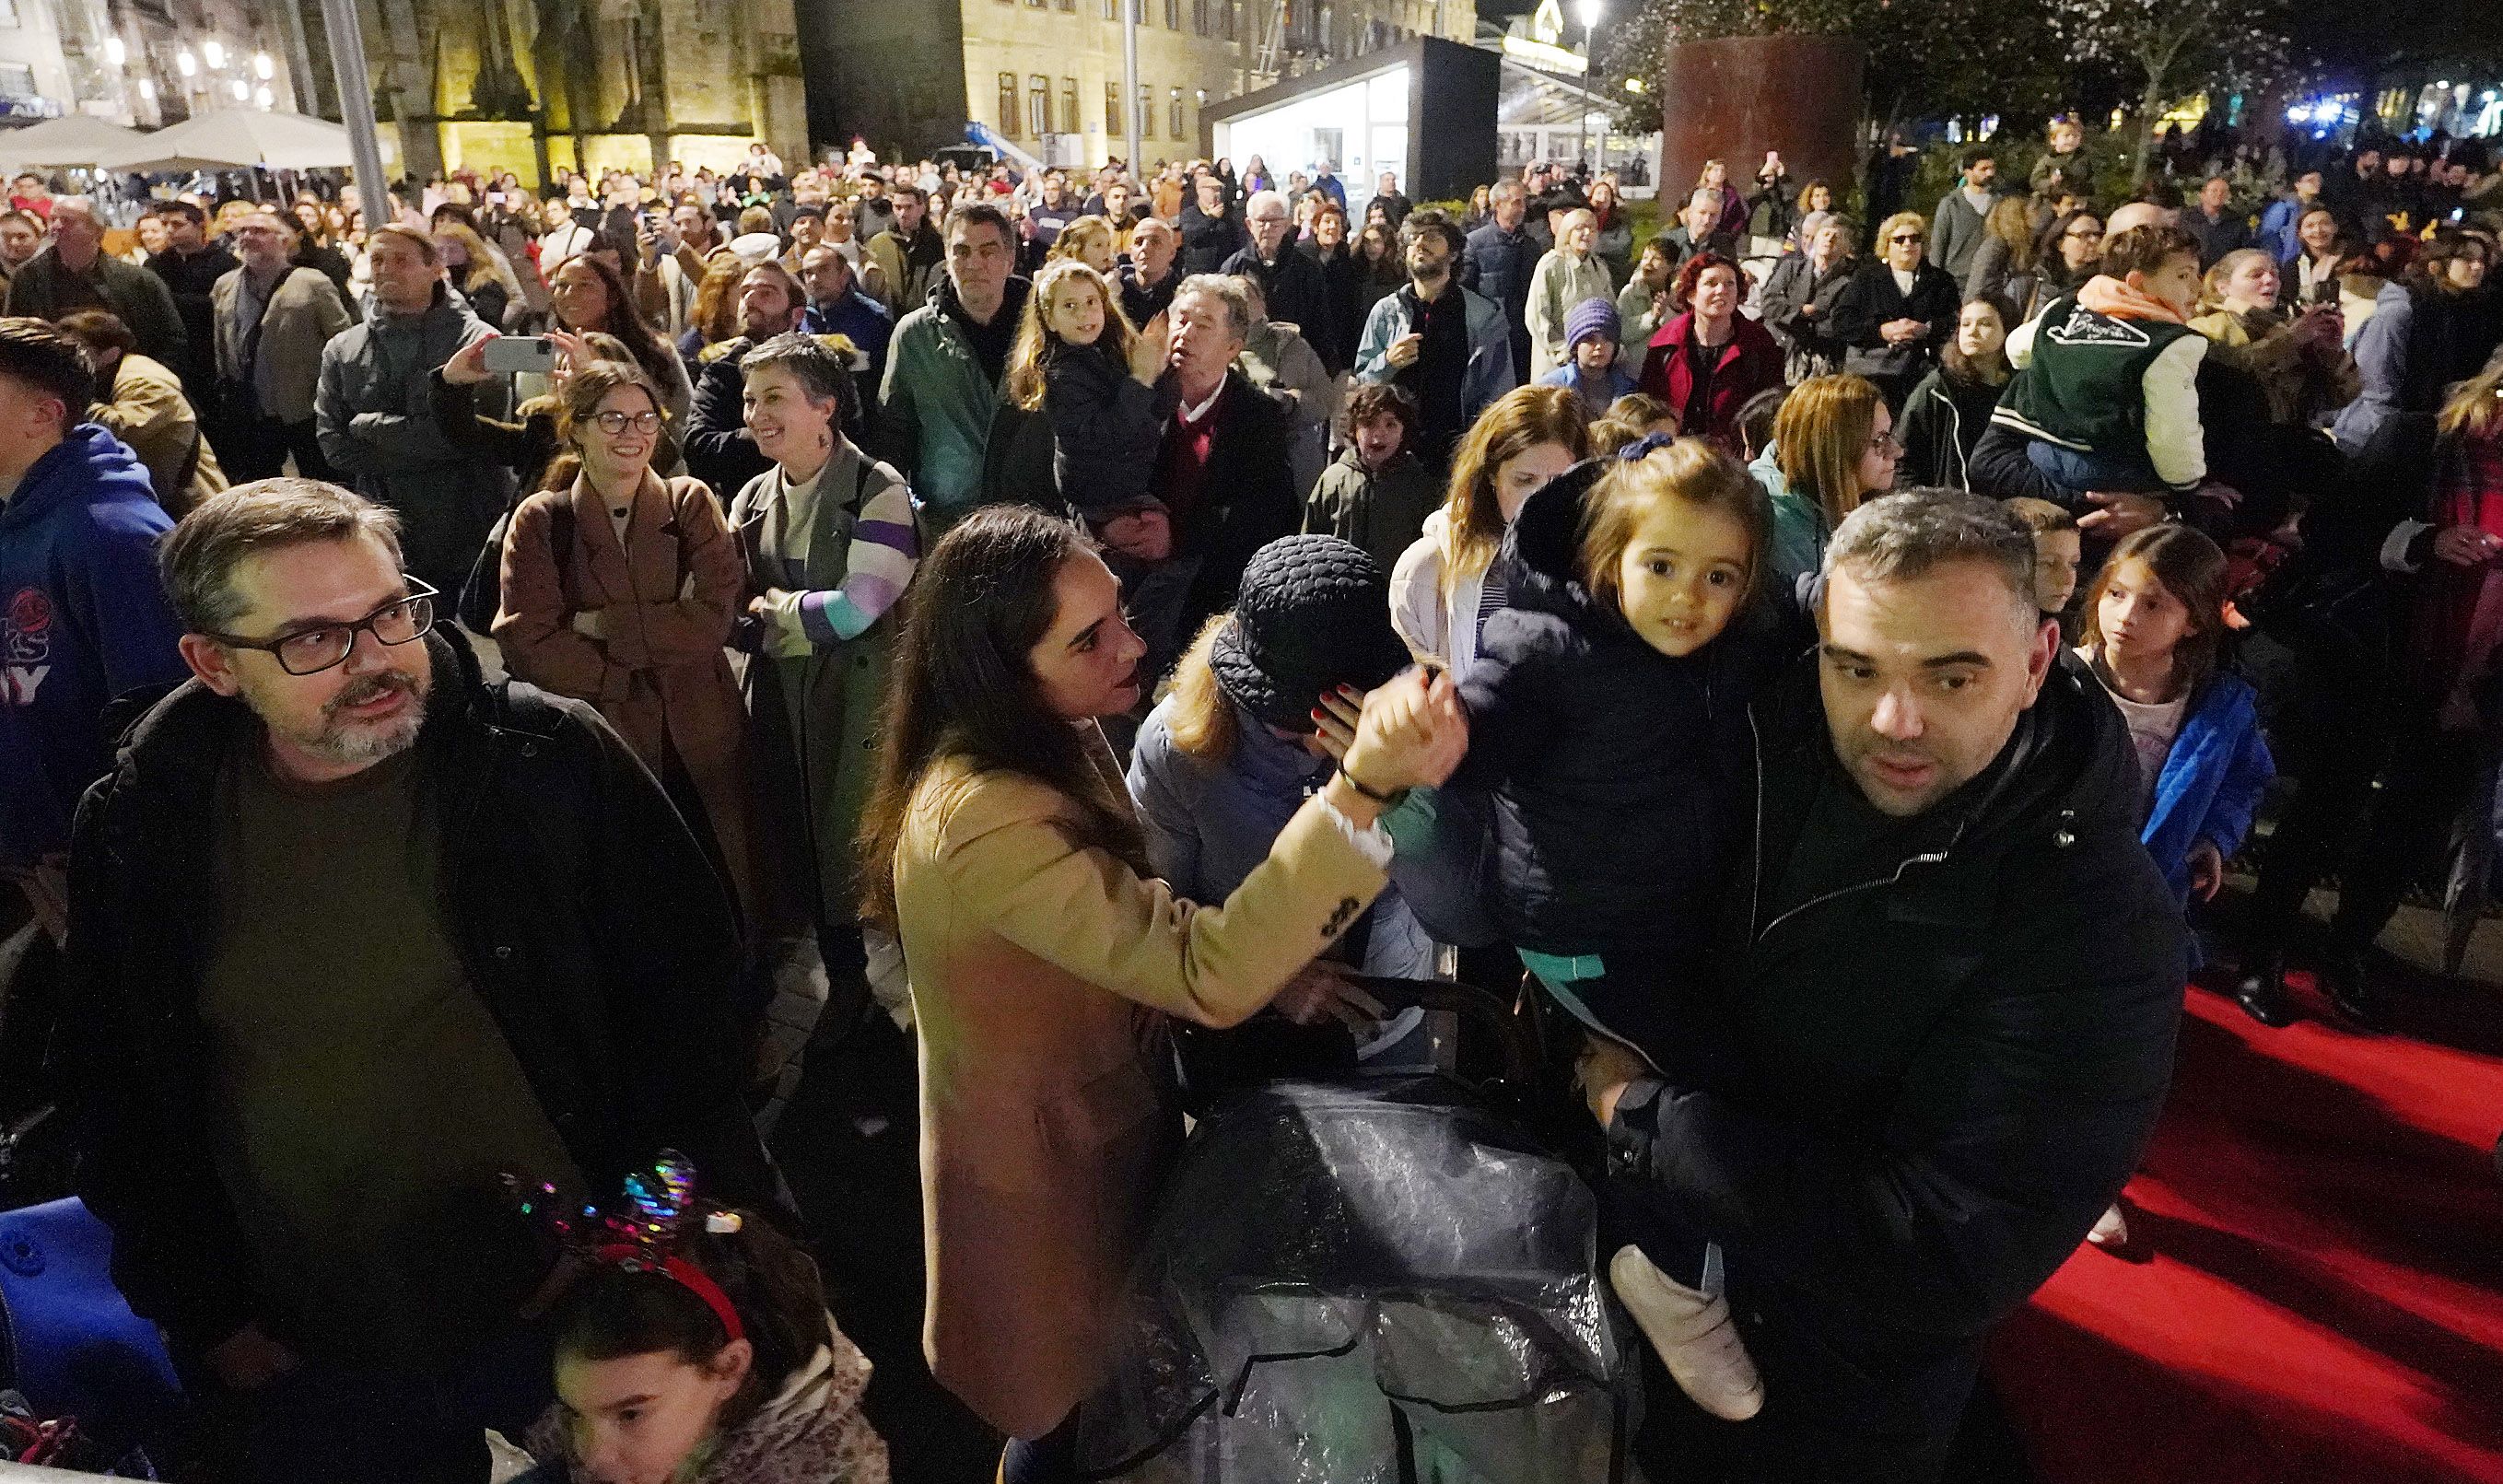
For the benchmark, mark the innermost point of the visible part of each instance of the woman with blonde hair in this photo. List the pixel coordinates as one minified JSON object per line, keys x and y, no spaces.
{"x":2298,"y":357}
{"x":472,"y":266}
{"x":1834,"y":447}
{"x":620,"y":588}
{"x":1897,"y":309}
{"x":1090,"y":240}
{"x":1443,"y":590}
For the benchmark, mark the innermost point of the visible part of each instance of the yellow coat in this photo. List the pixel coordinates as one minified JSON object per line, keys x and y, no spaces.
{"x":1043,"y":975}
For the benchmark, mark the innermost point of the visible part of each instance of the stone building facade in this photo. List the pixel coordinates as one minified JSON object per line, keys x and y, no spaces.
{"x":529,"y":85}
{"x":1048,"y":75}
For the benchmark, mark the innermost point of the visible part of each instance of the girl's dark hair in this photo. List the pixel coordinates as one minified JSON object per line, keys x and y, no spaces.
{"x":2192,"y":568}
{"x":964,"y":692}
{"x":611,"y":1312}
{"x":626,"y":322}
{"x":1960,"y":367}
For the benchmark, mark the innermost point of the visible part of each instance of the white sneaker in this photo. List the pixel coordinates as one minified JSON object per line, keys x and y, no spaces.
{"x":2112,"y":1229}
{"x":1696,"y":1338}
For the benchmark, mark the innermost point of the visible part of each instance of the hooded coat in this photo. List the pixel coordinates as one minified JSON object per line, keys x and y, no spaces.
{"x":1613,"y":769}
{"x":82,"y":619}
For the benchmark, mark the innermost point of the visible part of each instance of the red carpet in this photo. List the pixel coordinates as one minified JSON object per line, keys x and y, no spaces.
{"x":2324,"y":1296}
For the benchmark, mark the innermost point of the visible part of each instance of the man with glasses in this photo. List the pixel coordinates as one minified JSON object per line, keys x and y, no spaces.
{"x":1290,"y":283}
{"x":271,"y":318}
{"x":1450,"y":348}
{"x":356,"y":931}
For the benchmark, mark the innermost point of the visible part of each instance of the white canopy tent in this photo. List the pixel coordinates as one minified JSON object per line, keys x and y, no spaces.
{"x":236,"y":138}
{"x":73,"y":139}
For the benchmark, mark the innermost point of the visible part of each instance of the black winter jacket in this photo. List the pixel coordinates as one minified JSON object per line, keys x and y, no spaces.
{"x":1869,"y":301}
{"x":1949,"y":1068}
{"x":1612,"y":771}
{"x":590,"y":925}
{"x":1106,"y":429}
{"x":1942,"y":420}
{"x":1246,"y":498}
{"x":718,"y":448}
{"x":1208,"y":241}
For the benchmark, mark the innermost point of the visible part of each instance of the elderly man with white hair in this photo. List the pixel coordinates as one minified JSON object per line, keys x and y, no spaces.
{"x":74,"y":272}
{"x":1567,"y":275}
{"x":1290,"y":281}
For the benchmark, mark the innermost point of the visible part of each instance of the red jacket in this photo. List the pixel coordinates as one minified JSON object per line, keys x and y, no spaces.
{"x":1751,"y":363}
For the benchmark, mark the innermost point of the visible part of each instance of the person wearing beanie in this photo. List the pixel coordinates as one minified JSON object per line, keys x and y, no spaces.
{"x":1230,"y":752}
{"x":1589,"y":366}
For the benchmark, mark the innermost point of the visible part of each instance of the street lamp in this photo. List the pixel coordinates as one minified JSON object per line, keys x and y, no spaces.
{"x":1591,"y":11}
{"x":242,"y":90}
{"x":262,"y":67}
{"x":186,"y":63}
{"x":114,"y":51}
{"x":216,"y":53}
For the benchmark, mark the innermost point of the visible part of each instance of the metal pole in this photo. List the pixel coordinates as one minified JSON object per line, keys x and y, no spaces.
{"x":1130,"y":85}
{"x":356,"y":107}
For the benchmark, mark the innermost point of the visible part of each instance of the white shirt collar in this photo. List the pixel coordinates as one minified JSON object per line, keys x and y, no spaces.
{"x":1193,"y":415}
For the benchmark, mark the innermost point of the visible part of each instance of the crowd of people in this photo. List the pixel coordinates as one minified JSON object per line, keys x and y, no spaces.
{"x":486,"y":691}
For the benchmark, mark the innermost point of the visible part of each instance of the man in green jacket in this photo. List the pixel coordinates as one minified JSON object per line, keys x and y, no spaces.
{"x":75,"y":274}
{"x":944,"y":366}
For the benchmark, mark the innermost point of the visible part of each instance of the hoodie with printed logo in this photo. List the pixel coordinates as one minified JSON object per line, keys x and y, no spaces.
{"x":84,"y":618}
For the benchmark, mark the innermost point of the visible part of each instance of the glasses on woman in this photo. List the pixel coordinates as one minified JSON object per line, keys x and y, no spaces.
{"x":619,"y":421}
{"x":1905,"y":237}
{"x":312,"y":650}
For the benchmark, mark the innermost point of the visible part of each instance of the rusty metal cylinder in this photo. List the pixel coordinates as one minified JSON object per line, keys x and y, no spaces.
{"x":1733,"y":98}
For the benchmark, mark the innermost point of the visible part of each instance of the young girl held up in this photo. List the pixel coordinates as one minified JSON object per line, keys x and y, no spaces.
{"x":1079,"y":361}
{"x":1608,"y":737}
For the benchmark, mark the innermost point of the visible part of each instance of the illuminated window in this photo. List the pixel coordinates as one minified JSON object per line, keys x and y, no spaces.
{"x":1069,"y":121}
{"x":1172,"y":117}
{"x":1008,"y":104}
{"x":1038,"y":105}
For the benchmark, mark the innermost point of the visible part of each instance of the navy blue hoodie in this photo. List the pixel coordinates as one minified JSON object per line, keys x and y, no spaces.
{"x":84,"y":618}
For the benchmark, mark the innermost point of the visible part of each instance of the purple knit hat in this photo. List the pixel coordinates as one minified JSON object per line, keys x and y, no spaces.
{"x":1591,"y":316}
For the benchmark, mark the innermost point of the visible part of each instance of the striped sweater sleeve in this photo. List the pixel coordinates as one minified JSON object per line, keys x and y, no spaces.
{"x":885,"y":551}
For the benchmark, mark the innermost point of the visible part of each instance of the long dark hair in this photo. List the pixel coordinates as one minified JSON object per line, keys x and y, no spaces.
{"x":611,"y":1311}
{"x":964,"y":691}
{"x":626,"y":322}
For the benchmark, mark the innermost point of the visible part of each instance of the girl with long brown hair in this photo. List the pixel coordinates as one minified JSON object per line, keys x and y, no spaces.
{"x":1046,"y":961}
{"x":620,"y":588}
{"x":1441,"y":593}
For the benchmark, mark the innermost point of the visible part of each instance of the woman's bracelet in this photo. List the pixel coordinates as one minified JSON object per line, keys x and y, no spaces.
{"x":1386,"y":799}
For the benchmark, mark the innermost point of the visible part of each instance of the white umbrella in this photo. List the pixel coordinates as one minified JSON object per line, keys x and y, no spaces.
{"x":238,"y":137}
{"x":73,"y":139}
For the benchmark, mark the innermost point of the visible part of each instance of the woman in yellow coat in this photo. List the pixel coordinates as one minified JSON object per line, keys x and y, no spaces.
{"x":1046,"y":962}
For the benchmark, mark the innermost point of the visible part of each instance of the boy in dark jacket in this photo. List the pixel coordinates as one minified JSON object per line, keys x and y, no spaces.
{"x":1377,"y":493}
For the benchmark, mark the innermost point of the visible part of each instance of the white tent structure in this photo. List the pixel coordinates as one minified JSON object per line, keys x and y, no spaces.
{"x":73,"y":139}
{"x":236,"y":138}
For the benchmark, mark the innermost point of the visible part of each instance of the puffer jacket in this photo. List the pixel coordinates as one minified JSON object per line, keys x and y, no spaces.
{"x":1611,"y":769}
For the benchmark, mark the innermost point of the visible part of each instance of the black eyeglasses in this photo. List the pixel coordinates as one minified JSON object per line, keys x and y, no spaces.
{"x":1904,"y":237}
{"x":619,"y":421}
{"x":327,"y":646}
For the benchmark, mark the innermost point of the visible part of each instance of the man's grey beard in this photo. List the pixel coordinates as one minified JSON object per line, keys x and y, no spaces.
{"x":352,"y":744}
